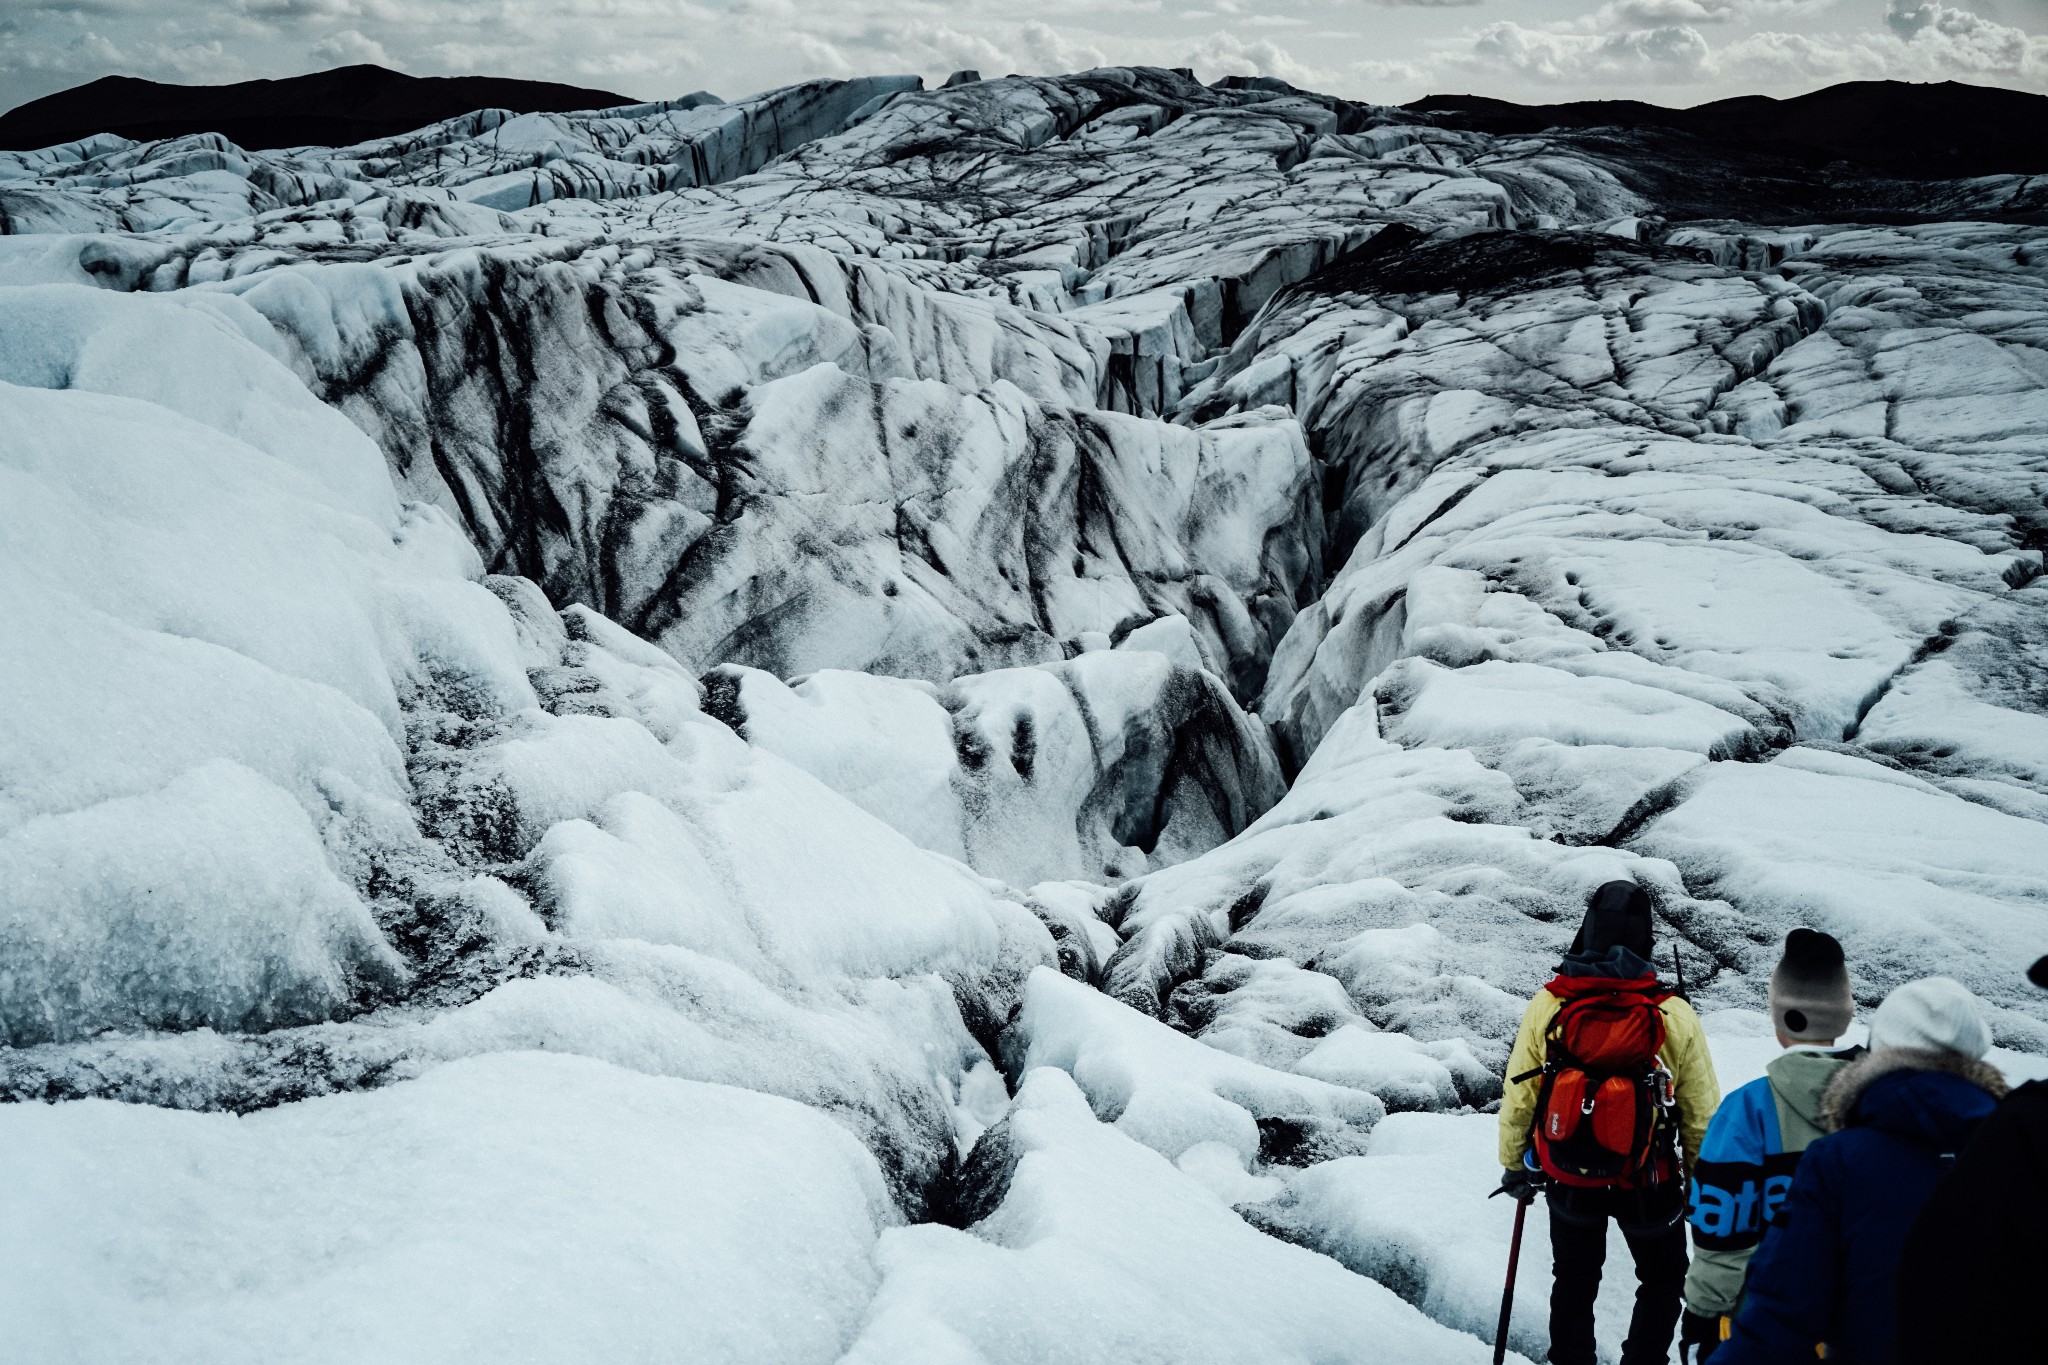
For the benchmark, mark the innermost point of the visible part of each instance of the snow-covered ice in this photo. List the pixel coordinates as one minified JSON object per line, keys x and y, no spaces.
{"x":883,"y":724}
{"x":522,"y":1204}
{"x":1101,"y":1250}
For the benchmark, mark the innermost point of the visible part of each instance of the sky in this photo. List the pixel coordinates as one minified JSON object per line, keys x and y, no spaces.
{"x":1674,"y":52}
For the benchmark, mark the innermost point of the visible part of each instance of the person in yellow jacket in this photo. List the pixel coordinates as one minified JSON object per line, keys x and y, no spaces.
{"x":1612,"y":954}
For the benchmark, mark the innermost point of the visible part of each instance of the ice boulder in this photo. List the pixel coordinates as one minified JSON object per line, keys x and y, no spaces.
{"x":208,"y":901}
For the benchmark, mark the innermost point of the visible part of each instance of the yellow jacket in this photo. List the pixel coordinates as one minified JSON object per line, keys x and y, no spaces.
{"x":1685,"y":1056}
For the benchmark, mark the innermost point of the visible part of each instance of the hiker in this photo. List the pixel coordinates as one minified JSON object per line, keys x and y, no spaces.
{"x":1896,"y":1116}
{"x":1978,"y":1252}
{"x":1755,"y":1141}
{"x":1608,"y":1082}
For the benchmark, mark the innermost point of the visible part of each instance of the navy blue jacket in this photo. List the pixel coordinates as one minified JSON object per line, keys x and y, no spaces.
{"x":1824,"y":1271}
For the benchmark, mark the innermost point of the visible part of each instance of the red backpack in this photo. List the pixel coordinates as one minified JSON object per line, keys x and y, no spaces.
{"x":1604,"y":1116}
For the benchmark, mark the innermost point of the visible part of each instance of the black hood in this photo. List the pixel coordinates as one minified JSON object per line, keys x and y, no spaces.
{"x":1618,"y":963}
{"x":1617,"y":916}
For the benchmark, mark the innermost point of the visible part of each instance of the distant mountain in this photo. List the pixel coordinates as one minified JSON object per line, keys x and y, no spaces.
{"x":326,"y":108}
{"x":1935,"y":131}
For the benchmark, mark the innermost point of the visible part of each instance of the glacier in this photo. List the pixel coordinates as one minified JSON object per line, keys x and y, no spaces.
{"x":895,"y":724}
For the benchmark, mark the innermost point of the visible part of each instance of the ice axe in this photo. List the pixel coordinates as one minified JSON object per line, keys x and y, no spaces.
{"x":1507,"y":1293}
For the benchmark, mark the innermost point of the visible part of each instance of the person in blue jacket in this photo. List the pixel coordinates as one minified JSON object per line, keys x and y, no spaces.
{"x":1760,"y":1131}
{"x":1897,"y":1117}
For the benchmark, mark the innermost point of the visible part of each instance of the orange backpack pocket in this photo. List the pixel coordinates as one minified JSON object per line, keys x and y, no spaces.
{"x":1621,"y":1033}
{"x":1614,"y":1115}
{"x":1566,"y":1106}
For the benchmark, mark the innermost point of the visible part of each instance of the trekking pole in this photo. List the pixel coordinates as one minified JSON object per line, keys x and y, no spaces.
{"x":1507,"y":1293}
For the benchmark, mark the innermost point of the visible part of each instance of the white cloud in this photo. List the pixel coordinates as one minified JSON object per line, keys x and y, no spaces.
{"x":1640,"y":14}
{"x":1924,"y":42}
{"x":1953,"y":45}
{"x":936,"y":49}
{"x":1675,"y":52}
{"x":1048,"y":52}
{"x":1962,"y":40}
{"x":311,"y":9}
{"x":1225,"y":54}
{"x":89,"y":54}
{"x":1385,"y":81}
{"x":350,"y":48}
{"x":925,"y":46}
{"x":820,"y":58}
{"x":652,"y":60}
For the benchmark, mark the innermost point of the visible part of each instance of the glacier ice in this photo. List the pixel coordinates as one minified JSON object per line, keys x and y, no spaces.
{"x":1097,"y":766}
{"x":950,"y":716}
{"x":1101,"y":1250}
{"x":523,"y":1201}
{"x":206,"y":901}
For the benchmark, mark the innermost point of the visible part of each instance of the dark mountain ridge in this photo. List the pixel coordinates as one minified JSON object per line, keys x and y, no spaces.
{"x":1918,"y":131}
{"x":1923,"y":131}
{"x":324,"y":108}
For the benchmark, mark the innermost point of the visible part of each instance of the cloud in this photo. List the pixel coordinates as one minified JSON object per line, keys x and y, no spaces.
{"x":1924,"y":42}
{"x":1640,"y":14}
{"x":1380,"y":76}
{"x":88,"y":53}
{"x":1670,"y":53}
{"x":928,"y":46}
{"x":1225,"y":54}
{"x":821,"y":58}
{"x":1962,"y":39}
{"x":937,"y":49}
{"x":350,"y":48}
{"x":654,"y":59}
{"x":1048,"y":52}
{"x":311,"y":9}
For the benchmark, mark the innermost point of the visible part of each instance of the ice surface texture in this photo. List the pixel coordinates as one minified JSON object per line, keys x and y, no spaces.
{"x":998,"y":672}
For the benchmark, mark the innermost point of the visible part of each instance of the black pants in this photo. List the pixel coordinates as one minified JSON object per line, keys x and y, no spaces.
{"x":1652,"y":1222}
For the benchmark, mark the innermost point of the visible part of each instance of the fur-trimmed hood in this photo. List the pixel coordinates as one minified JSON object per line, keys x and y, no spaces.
{"x":1843,"y":1104}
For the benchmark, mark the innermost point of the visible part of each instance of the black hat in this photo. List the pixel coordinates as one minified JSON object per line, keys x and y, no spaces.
{"x":1616,"y":914}
{"x":2038,"y":973}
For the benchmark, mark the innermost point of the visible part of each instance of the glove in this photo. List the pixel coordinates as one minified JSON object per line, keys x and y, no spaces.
{"x":1702,"y":1332}
{"x":1521,"y":1184}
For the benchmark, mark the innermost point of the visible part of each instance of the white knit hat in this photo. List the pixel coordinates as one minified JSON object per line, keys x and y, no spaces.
{"x":1934,"y":1013}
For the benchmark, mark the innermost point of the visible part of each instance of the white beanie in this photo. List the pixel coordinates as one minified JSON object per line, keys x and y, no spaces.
{"x":1934,"y":1013}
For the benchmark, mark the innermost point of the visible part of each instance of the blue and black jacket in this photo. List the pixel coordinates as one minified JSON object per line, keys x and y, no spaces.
{"x":1745,"y":1170}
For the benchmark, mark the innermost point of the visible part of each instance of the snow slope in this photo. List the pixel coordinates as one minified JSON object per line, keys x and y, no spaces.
{"x":464,"y":1165}
{"x":1015,"y":682}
